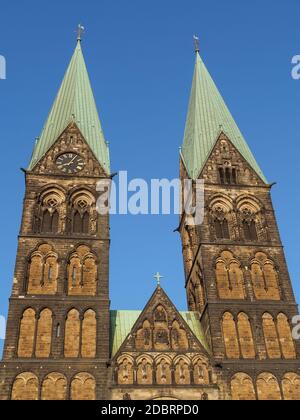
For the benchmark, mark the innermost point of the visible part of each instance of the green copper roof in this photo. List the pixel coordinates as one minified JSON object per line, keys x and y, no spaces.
{"x":122,"y":322}
{"x":208,"y":116}
{"x":75,"y":102}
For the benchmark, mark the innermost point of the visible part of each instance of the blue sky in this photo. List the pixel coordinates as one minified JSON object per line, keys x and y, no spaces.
{"x":140,"y":58}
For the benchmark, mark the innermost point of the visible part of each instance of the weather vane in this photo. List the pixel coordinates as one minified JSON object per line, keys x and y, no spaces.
{"x":80,"y":31}
{"x":158,"y":278}
{"x":196,"y":42}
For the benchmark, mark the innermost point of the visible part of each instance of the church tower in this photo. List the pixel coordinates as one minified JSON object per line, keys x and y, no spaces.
{"x":57,"y":343}
{"x":236,"y":273}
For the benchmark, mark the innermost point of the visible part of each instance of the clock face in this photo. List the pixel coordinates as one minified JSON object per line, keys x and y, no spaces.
{"x":70,"y":163}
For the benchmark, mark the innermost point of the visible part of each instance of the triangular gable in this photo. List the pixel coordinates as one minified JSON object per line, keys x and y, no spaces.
{"x":161,"y":328}
{"x":213,"y":157}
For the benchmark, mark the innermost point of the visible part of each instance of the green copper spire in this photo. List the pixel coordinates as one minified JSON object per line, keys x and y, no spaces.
{"x":208,"y":116}
{"x":75,"y":102}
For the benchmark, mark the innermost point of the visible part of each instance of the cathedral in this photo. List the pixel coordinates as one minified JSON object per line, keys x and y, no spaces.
{"x":63,"y":342}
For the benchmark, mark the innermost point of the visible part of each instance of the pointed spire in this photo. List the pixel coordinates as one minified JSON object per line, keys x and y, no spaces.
{"x":75,"y":102}
{"x":208,"y":116}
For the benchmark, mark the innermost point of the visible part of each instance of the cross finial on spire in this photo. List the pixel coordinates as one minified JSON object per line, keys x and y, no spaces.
{"x":80,"y":31}
{"x":197,"y":45}
{"x":158,"y":278}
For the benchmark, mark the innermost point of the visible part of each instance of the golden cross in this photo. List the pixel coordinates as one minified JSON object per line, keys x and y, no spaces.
{"x":80,"y":31}
{"x":158,"y":278}
{"x":197,"y":45}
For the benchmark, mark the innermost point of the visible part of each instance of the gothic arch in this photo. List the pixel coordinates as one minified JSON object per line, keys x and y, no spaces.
{"x":82,"y":212}
{"x":286,"y":337}
{"x":196,"y":293}
{"x":268,"y":388}
{"x":229,"y":277}
{"x":246,"y":336}
{"x":83,"y":387}
{"x":82,"y":272}
{"x":27,"y":334}
{"x":250,"y":217}
{"x":291,"y":387}
{"x":201,"y":371}
{"x":271,"y":337}
{"x":230,"y":336}
{"x":44,"y":334}
{"x":144,"y":340}
{"x":163,"y":370}
{"x":183,"y":368}
{"x":50,"y":214}
{"x":242,"y":388}
{"x":265,"y":278}
{"x":145,"y":370}
{"x":221,"y":217}
{"x":89,"y":334}
{"x":72,"y":334}
{"x":43,"y":271}
{"x":161,"y":332}
{"x":179,"y":338}
{"x":25,"y":387}
{"x":54,"y":387}
{"x":125,"y":374}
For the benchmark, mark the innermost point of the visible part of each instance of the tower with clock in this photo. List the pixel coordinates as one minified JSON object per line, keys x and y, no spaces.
{"x":59,"y":309}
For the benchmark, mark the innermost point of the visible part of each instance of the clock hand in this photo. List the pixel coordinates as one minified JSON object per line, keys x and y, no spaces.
{"x":70,"y":163}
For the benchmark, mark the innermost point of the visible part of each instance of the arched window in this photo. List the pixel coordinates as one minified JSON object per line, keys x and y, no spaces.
{"x":264,"y":278}
{"x":125,"y":371}
{"x":242,"y":388}
{"x":145,"y":371}
{"x":182,"y":371}
{"x":192,"y":298}
{"x":54,"y":387}
{"x":246,"y":337}
{"x":43,"y":271}
{"x":179,"y":339}
{"x":286,"y":337}
{"x":25,"y":387}
{"x":201,"y":372}
{"x":249,"y":225}
{"x":271,"y":337}
{"x":83,"y":387}
{"x":72,"y":334}
{"x":83,"y":210}
{"x":268,"y":388}
{"x":291,"y":387}
{"x":221,"y":211}
{"x":228,"y":175}
{"x":89,"y":335}
{"x":82,"y":273}
{"x":27,"y":334}
{"x":229,"y":277}
{"x":163,"y":371}
{"x":222,"y":229}
{"x":230,"y":337}
{"x":222,"y":175}
{"x":51,"y":208}
{"x":77,"y":223}
{"x":251,"y":219}
{"x":44,"y":334}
